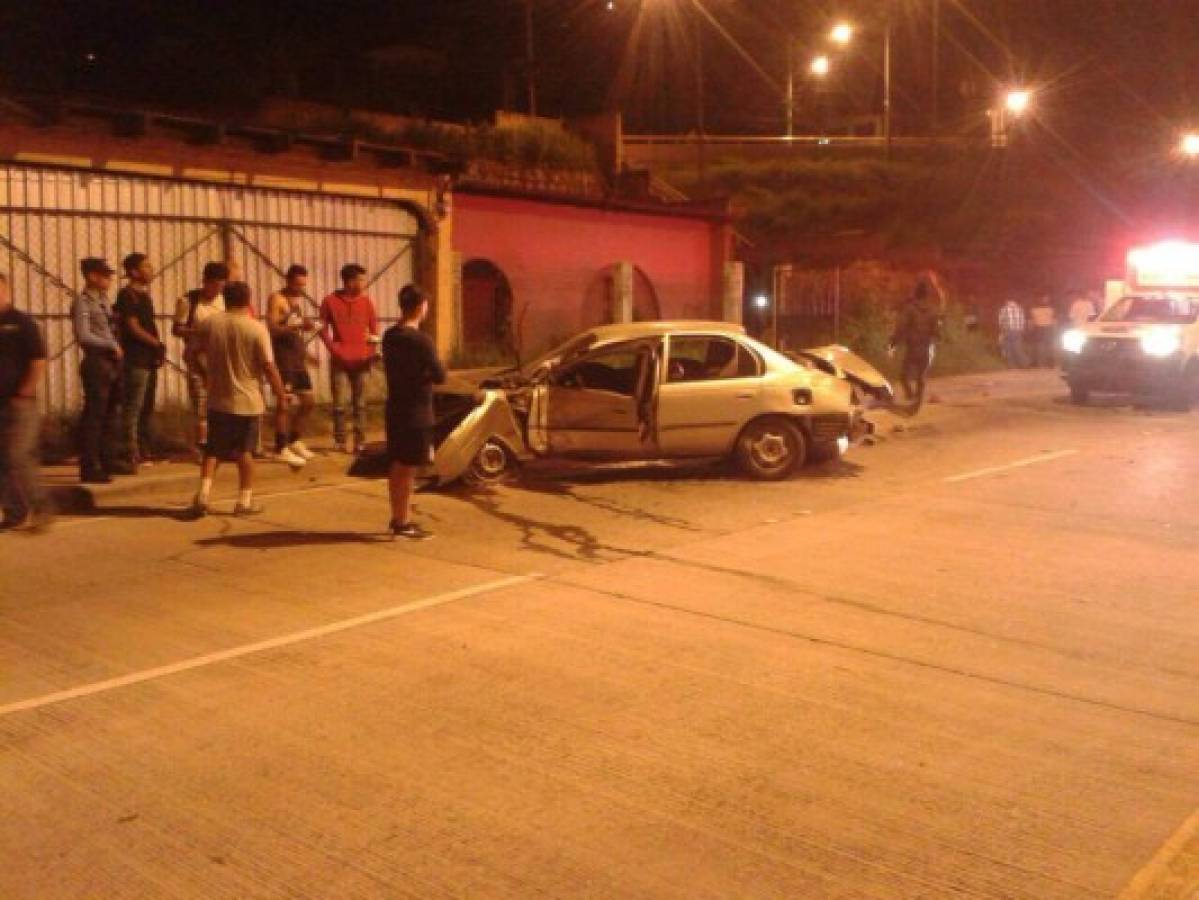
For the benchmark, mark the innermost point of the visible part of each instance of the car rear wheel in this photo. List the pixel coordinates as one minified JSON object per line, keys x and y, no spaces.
{"x":770,"y":449}
{"x":491,"y":465}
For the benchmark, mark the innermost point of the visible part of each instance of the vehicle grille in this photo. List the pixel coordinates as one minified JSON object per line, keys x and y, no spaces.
{"x":829,"y":427}
{"x":1111,"y":348}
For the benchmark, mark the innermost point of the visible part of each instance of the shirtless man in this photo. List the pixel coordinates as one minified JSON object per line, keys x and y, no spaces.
{"x":287,"y":324}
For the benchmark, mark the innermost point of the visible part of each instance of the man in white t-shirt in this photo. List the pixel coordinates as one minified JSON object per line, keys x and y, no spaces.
{"x":235,"y":352}
{"x":191,"y":310}
{"x":1082,"y":310}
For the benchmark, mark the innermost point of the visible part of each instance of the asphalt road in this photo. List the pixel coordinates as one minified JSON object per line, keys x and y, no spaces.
{"x":961,"y":663}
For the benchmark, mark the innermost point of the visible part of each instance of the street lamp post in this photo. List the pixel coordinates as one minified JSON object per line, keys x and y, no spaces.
{"x":530,"y":68}
{"x":842,"y":35}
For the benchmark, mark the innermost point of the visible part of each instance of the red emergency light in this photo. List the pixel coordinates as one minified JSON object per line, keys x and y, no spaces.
{"x":1169,"y":265}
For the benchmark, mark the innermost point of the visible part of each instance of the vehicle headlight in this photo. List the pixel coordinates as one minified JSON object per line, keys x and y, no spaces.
{"x":1161,"y":343}
{"x":1073,"y":341}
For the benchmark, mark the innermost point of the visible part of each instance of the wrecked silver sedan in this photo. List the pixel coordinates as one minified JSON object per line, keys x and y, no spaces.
{"x":658,"y":391}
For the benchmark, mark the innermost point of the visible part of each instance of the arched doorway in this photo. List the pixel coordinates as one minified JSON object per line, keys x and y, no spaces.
{"x":601,"y":302}
{"x":486,"y":306}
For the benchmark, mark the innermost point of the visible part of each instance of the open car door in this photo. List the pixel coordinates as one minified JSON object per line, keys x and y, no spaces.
{"x":601,"y":405}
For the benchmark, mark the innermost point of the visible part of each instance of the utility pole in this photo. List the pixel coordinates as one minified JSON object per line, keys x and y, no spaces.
{"x":790,"y":112}
{"x":936,"y":70}
{"x":888,"y":29}
{"x":700,"y":119}
{"x":530,"y":66}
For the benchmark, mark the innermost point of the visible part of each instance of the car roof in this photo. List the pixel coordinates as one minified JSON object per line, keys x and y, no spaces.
{"x":633,"y":330}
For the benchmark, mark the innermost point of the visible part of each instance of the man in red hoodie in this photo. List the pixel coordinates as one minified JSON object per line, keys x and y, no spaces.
{"x":349,"y":329}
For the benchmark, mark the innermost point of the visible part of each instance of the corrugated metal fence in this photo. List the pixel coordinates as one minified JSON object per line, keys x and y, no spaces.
{"x":51,"y":218}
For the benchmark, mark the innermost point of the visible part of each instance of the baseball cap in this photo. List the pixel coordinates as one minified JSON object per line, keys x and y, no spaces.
{"x":95,"y":264}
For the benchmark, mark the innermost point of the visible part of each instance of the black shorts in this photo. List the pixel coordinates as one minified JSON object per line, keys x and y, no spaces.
{"x":297,"y":381}
{"x":409,"y":445}
{"x":231,"y":436}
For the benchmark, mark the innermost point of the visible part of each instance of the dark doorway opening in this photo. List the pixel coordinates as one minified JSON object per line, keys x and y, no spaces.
{"x":486,"y":306}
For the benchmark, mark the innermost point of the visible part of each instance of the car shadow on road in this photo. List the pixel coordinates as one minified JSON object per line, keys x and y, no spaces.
{"x":277,"y":540}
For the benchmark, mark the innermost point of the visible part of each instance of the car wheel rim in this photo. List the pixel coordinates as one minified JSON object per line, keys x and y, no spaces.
{"x":491,"y":461}
{"x":771,"y":449}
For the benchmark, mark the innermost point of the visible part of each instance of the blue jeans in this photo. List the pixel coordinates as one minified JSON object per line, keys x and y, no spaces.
{"x":20,"y":490}
{"x":140,"y":390}
{"x":1011,"y":343}
{"x":353,"y":383}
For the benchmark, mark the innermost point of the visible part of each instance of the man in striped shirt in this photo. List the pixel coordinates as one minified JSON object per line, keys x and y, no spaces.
{"x":1012,"y":323}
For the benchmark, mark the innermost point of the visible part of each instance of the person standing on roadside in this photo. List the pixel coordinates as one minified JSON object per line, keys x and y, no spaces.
{"x":192,"y":309}
{"x":100,"y":372}
{"x":1043,"y":319}
{"x":1012,"y":323}
{"x":144,"y":354}
{"x":287,"y":324}
{"x":916,"y":331}
{"x":234,"y":350}
{"x":349,"y":329}
{"x":22,"y":367}
{"x":1082,"y":311}
{"x":412,"y":367}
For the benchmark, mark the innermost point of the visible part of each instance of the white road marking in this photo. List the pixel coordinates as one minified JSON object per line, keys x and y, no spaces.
{"x":1018,"y":464}
{"x":285,"y":640}
{"x":1152,"y":880}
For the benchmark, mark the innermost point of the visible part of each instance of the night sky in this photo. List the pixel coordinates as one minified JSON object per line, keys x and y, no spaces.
{"x":1114,"y":74}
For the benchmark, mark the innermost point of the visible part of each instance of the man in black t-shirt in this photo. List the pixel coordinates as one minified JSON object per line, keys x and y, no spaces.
{"x":138,"y":334}
{"x":22,"y":367}
{"x":412,"y":367}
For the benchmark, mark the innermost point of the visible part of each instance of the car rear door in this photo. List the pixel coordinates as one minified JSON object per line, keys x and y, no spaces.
{"x":711,"y":388}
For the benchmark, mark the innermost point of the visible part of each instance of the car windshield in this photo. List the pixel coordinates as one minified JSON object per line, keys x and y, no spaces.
{"x":1154,"y":310}
{"x":561,"y":354}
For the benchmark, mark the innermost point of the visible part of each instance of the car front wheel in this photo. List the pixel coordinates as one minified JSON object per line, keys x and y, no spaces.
{"x":491,"y":465}
{"x":770,"y":449}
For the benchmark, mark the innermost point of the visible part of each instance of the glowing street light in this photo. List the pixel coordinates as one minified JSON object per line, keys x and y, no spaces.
{"x":820,"y":66}
{"x":1017,"y":102}
{"x":842,"y":34}
{"x":1189,"y":145}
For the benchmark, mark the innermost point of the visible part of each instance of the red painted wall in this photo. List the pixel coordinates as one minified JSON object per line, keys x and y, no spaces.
{"x":556,"y":258}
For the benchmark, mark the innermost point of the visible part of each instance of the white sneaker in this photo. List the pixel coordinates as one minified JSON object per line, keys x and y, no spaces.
{"x":292,"y":459}
{"x":300,"y":449}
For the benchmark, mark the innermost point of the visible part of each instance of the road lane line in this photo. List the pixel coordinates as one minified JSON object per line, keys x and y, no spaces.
{"x":1153,"y":880}
{"x":285,"y":640}
{"x":1018,"y":464}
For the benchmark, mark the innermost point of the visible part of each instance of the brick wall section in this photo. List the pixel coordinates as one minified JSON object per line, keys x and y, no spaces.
{"x":555,"y":255}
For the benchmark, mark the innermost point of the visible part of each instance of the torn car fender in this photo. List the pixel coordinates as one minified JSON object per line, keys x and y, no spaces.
{"x":491,"y":418}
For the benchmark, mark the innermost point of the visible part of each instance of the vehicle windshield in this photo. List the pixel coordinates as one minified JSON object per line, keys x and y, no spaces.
{"x":561,"y":354}
{"x":1154,"y":310}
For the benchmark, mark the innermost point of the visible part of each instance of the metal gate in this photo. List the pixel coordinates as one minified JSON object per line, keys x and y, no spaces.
{"x":807,"y":306}
{"x":51,"y":218}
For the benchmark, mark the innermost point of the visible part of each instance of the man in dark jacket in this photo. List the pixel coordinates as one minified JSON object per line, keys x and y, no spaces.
{"x":412,"y":367}
{"x":916,"y":332}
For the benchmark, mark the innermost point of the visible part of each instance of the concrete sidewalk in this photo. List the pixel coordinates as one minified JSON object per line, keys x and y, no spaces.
{"x":177,"y":479}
